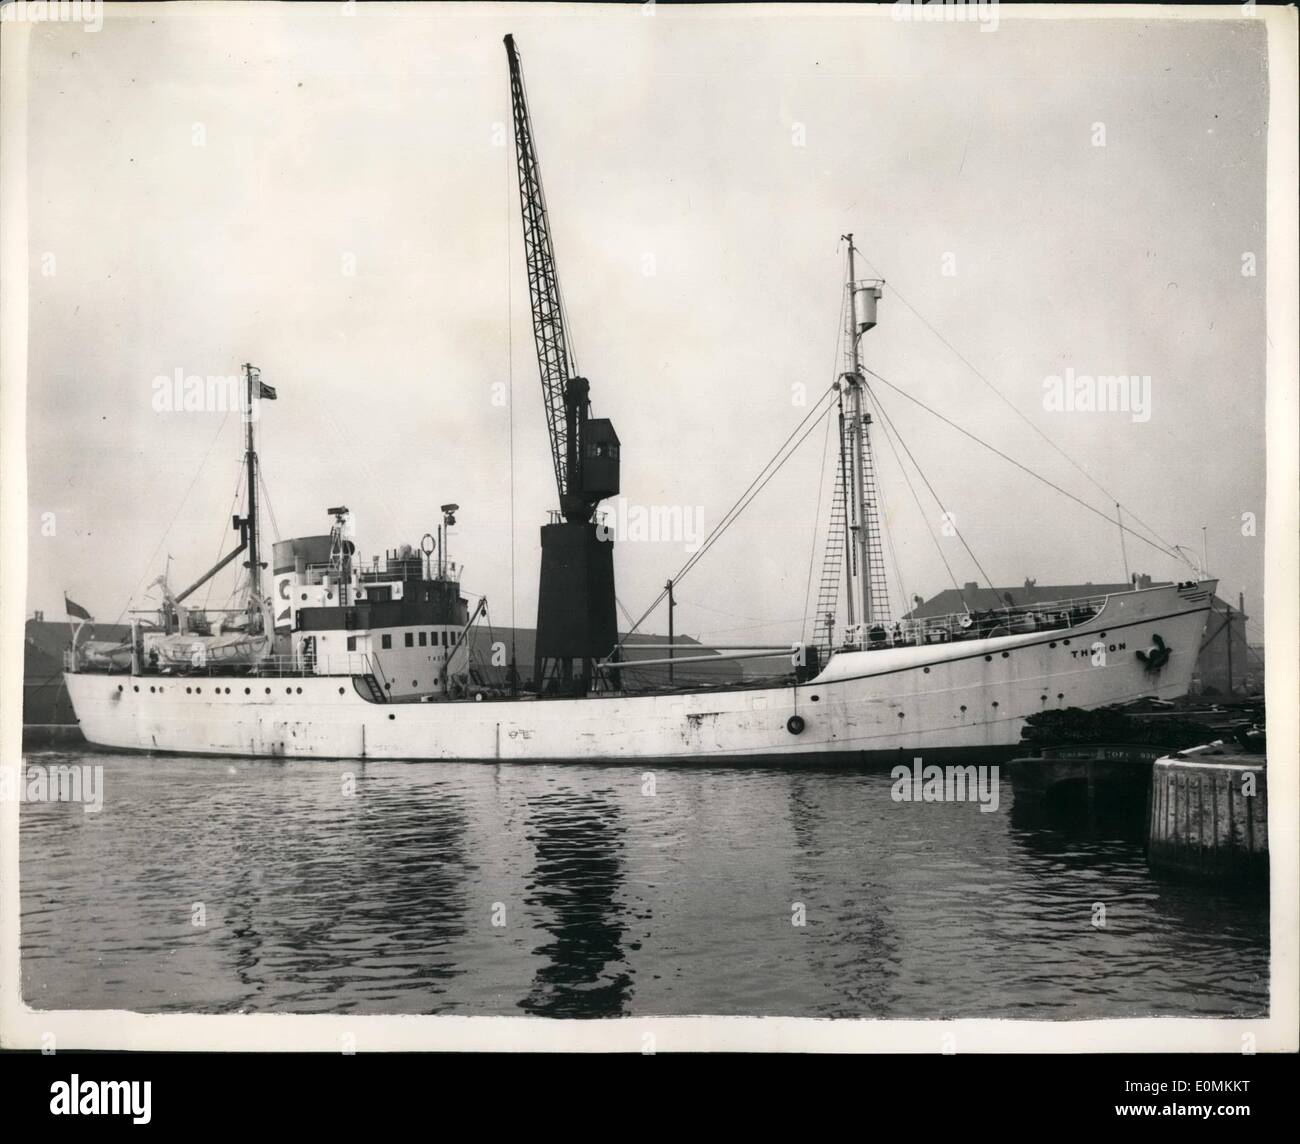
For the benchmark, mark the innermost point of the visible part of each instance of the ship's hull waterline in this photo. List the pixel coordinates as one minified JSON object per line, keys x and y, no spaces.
{"x":940,"y":698}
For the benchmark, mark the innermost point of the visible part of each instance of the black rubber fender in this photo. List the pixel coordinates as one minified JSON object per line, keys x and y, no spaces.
{"x":795,"y":724}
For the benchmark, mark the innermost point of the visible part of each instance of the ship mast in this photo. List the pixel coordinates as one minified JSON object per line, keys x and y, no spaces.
{"x":251,"y":377}
{"x":861,"y":308}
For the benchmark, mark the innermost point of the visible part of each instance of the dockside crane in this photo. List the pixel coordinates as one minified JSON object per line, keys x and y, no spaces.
{"x":576,"y":618}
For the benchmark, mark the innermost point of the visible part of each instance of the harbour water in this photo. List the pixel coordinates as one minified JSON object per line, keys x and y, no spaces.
{"x":594,"y":891}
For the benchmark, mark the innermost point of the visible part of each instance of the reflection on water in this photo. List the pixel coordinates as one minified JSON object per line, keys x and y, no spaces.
{"x":581,"y":891}
{"x":577,"y":871}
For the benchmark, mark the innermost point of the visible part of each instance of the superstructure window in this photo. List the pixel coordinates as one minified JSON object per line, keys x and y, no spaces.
{"x":424,"y":639}
{"x":352,"y":643}
{"x":410,"y":639}
{"x":386,"y":642}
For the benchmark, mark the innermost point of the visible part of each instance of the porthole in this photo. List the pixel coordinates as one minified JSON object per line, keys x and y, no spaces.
{"x":198,"y":691}
{"x":300,"y":691}
{"x":135,"y":687}
{"x":340,"y":691}
{"x":1052,"y":644}
{"x":1060,"y":695}
{"x":268,"y":691}
{"x":415,"y":683}
{"x":1066,"y":642}
{"x":151,"y":691}
{"x":120,"y":687}
{"x":1043,"y":698}
{"x":995,"y":703}
{"x":988,"y":659}
{"x":927,"y":671}
{"x":900,"y":714}
{"x":304,"y":595}
{"x":288,"y":690}
{"x":248,"y":691}
{"x":815,"y":698}
{"x":963,"y":707}
{"x":189,"y":690}
{"x":392,"y":716}
{"x":1006,"y":654}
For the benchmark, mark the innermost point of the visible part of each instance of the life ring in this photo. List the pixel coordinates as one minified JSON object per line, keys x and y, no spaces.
{"x":795,"y":724}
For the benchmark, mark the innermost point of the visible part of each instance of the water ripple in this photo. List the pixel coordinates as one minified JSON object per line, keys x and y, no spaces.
{"x":579,"y":891}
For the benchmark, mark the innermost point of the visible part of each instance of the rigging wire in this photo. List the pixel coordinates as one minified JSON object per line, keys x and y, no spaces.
{"x":716,"y":611}
{"x":840,"y":324}
{"x":812,"y":548}
{"x":221,"y":537}
{"x":1007,"y":401}
{"x":893,"y":553}
{"x":921,"y":473}
{"x":736,"y":509}
{"x":163,"y":539}
{"x":266,"y":500}
{"x":750,"y":627}
{"x":1025,"y":468}
{"x":731,"y":515}
{"x":889,"y":440}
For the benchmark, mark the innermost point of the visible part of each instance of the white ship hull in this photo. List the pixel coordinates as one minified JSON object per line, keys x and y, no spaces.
{"x":962,"y":697}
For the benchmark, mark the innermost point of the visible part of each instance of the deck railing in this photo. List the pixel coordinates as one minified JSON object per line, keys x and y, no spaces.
{"x":273,"y":666}
{"x":1010,"y":619}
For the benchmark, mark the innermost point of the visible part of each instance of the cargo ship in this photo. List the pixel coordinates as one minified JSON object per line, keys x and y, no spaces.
{"x":329,"y":655}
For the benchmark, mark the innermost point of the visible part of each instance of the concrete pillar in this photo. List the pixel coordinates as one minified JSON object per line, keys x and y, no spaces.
{"x":1209,"y":815}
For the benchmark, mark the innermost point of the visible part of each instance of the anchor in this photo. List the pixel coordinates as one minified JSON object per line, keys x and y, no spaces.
{"x":1155,"y":657}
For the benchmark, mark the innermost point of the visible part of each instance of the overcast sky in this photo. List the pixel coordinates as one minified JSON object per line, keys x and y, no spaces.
{"x":204,"y":176}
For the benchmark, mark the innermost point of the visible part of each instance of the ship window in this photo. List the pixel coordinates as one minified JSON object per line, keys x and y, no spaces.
{"x":352,"y":643}
{"x":387,"y":642}
{"x":410,"y":639}
{"x":424,"y":639}
{"x":444,"y":639}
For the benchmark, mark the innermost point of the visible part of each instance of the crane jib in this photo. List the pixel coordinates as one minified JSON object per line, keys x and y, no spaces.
{"x":576,"y":617}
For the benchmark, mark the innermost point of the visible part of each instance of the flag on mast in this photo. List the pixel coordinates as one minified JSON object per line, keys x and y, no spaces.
{"x":264,"y":391}
{"x":72,"y":608}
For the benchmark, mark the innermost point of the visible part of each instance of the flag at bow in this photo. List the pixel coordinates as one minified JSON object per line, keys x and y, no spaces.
{"x":72,"y":608}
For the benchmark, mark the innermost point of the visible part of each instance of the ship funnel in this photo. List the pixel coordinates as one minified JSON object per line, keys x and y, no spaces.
{"x":865,"y":297}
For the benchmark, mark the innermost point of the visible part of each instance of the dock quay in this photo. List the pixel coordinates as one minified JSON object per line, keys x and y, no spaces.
{"x":1209,"y":814}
